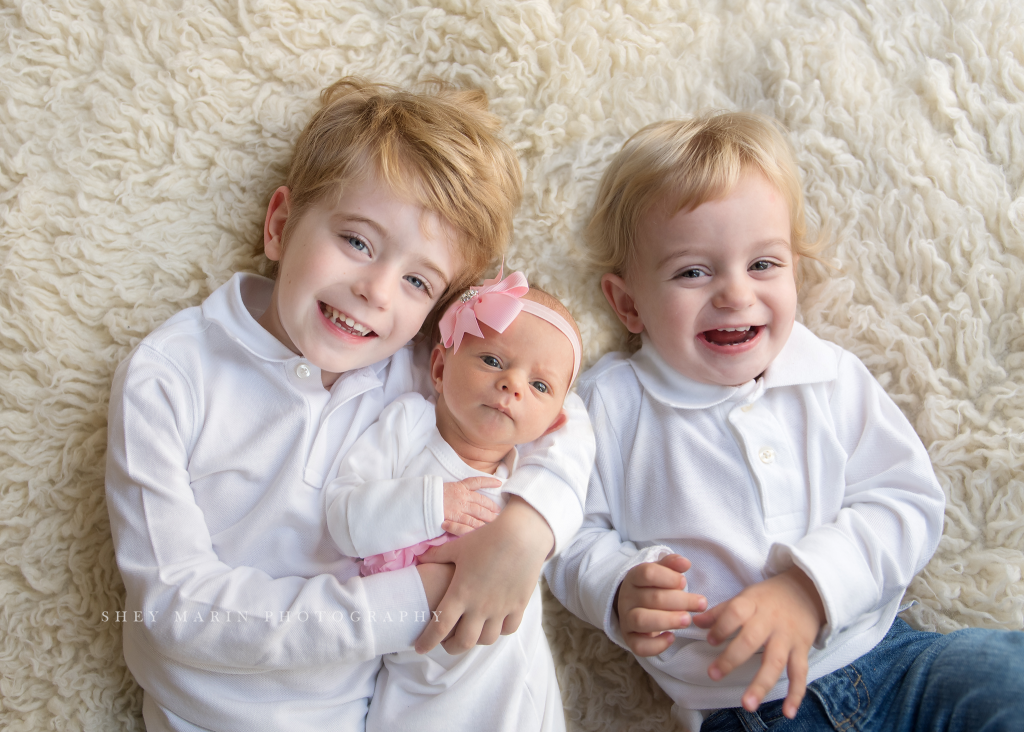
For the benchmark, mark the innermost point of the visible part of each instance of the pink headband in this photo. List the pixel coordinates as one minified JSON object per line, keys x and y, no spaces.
{"x":496,"y":303}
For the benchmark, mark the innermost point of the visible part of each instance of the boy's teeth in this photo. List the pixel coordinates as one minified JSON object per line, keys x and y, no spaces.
{"x":733,"y":330}
{"x":342,"y":319}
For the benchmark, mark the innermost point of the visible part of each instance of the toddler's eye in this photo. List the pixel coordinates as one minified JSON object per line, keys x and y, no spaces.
{"x":356,"y":243}
{"x":690,"y":274}
{"x":761,"y":265}
{"x":491,"y":361}
{"x":540,"y":386}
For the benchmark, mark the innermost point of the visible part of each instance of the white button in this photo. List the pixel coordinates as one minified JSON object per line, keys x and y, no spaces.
{"x":767,"y":455}
{"x":302,"y":371}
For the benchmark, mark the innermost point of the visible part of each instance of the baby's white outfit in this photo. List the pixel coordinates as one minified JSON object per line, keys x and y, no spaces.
{"x":812,"y":464}
{"x":389,"y":495}
{"x":241,"y":613}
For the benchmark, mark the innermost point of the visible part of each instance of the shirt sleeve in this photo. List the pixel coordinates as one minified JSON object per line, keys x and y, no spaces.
{"x":891,"y":517}
{"x":554,"y":471}
{"x":370,"y":508}
{"x":588,"y":572}
{"x":173,"y":575}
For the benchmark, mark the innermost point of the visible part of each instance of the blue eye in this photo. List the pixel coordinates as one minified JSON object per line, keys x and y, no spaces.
{"x":356,"y":243}
{"x":491,"y":361}
{"x":418,"y":283}
{"x":540,"y":386}
{"x":691,"y":274}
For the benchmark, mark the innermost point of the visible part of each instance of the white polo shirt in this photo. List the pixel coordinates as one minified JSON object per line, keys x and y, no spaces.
{"x":241,"y":612}
{"x":813,"y":464}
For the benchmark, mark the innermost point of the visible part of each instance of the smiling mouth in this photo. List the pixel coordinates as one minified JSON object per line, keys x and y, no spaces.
{"x":731,"y":336}
{"x":345,"y":322}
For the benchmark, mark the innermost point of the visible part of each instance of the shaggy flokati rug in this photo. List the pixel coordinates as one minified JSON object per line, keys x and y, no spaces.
{"x":139,"y":143}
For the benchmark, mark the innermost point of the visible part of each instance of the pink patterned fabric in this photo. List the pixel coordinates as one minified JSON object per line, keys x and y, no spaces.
{"x":399,"y":558}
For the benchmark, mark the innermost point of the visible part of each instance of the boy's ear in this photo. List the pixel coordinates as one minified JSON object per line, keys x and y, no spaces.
{"x":560,"y":420}
{"x":437,"y":367}
{"x":273,"y":228}
{"x":616,"y":291}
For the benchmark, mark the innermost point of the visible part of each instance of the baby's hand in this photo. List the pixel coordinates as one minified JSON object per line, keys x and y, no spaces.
{"x":651,"y":602}
{"x":783,"y":614}
{"x":464,"y":508}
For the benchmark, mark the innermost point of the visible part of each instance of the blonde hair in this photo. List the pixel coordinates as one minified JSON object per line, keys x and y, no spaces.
{"x":690,"y":162}
{"x":441,"y":147}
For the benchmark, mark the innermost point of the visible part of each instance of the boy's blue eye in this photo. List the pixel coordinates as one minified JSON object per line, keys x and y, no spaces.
{"x":491,"y":361}
{"x":540,"y":386}
{"x":357,"y":243}
{"x":691,"y":274}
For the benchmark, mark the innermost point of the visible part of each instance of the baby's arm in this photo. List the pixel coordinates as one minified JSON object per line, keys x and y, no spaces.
{"x":371,"y":509}
{"x":498,"y":565}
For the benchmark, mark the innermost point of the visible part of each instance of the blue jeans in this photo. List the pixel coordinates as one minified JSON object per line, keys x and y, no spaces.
{"x":970,"y":680}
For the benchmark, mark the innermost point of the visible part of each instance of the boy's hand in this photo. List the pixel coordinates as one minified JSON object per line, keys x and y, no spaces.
{"x":435,"y":579}
{"x":496,"y":571}
{"x":464,"y":508}
{"x":651,"y":601}
{"x":783,"y":614}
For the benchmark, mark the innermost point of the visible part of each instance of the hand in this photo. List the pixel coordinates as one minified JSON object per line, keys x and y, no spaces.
{"x":496,"y":571}
{"x":783,"y":614}
{"x":464,"y":508}
{"x":651,"y":602}
{"x":435,"y":579}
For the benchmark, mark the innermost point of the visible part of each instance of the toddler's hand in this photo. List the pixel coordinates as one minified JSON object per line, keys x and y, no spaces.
{"x":464,"y":508}
{"x":651,"y":602}
{"x":496,"y":572}
{"x":783,"y":614}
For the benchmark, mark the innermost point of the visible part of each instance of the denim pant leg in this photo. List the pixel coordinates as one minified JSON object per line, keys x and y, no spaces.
{"x":970,"y":680}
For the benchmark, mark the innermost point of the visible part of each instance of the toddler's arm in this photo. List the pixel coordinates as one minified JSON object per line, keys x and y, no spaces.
{"x":652,"y":601}
{"x":498,"y":565}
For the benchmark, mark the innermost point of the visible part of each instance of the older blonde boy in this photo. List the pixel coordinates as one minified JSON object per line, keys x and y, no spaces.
{"x":769,"y":458}
{"x":227,"y":420}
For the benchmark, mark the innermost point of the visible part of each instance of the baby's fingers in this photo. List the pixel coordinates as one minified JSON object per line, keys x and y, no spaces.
{"x":477,"y":482}
{"x":649,"y":644}
{"x":646,"y":621}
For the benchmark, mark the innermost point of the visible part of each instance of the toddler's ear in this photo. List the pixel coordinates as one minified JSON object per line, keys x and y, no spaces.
{"x":617,"y":292}
{"x":560,"y":420}
{"x":437,"y":367}
{"x":273,"y":227}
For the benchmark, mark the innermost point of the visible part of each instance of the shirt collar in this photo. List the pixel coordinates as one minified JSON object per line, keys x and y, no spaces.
{"x":805,"y":359}
{"x":238,"y":303}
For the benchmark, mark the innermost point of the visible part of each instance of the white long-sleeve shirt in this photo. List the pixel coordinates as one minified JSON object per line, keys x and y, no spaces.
{"x":811,"y":465}
{"x":241,"y":612}
{"x":389,"y":495}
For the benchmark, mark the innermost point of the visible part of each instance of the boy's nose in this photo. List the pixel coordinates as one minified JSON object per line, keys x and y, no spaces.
{"x":734,"y":292}
{"x":375,"y":287}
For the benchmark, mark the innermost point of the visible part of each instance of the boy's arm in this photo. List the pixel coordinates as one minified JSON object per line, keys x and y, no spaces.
{"x":892,"y":514}
{"x":173,"y":575}
{"x":497,"y":566}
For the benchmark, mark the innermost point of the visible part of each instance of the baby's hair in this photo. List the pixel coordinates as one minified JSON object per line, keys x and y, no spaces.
{"x":690,"y":162}
{"x":441,"y":147}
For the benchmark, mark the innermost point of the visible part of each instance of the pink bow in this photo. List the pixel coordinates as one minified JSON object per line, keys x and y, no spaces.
{"x":495,"y":303}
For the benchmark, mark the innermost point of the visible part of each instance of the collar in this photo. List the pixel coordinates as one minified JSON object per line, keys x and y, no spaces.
{"x":238,"y":303}
{"x":805,"y":359}
{"x":455,"y":465}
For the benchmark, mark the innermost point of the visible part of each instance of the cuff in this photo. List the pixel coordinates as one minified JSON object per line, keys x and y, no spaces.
{"x":396,"y":609}
{"x":560,"y":508}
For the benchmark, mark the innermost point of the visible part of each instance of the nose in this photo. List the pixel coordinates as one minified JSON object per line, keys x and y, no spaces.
{"x":512,"y":384}
{"x":735,"y":291}
{"x":375,"y":285}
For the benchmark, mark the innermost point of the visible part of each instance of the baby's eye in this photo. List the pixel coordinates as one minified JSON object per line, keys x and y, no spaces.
{"x":418,"y":283}
{"x":491,"y":361}
{"x":761,"y":265}
{"x":540,"y":386}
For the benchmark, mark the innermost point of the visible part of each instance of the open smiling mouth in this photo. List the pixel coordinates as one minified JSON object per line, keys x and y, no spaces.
{"x":731,"y":336}
{"x":344,"y":322}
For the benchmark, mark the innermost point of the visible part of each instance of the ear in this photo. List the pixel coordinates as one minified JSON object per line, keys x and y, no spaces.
{"x":618,"y":295}
{"x":559,"y":422}
{"x":437,"y":367}
{"x":273,"y":228}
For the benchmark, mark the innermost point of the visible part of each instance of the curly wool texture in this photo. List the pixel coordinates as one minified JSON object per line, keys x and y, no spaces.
{"x":139,"y":144}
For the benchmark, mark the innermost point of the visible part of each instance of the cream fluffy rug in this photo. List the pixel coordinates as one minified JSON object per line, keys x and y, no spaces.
{"x":139,"y":144}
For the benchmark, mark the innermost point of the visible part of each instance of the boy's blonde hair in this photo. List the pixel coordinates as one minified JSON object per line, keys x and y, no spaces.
{"x":441,"y":147}
{"x":690,"y":162}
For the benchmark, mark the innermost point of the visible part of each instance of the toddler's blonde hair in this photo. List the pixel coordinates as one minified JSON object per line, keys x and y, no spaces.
{"x":690,"y":162}
{"x":441,"y":147}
